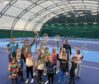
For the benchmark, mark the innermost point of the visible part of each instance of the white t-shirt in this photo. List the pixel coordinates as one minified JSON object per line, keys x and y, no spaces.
{"x":79,"y":56}
{"x":29,"y":62}
{"x":41,"y":64}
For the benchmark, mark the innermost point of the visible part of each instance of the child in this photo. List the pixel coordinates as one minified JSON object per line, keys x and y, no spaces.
{"x":79,"y":62}
{"x":50,"y":70}
{"x":46,"y":55}
{"x":72,"y":70}
{"x":25,"y":54}
{"x":67,"y":46}
{"x":29,"y":67}
{"x":19,"y":61}
{"x":27,"y":46}
{"x":54,"y":57}
{"x":63,"y":64}
{"x":12,"y":48}
{"x":13,"y":69}
{"x":40,"y":65}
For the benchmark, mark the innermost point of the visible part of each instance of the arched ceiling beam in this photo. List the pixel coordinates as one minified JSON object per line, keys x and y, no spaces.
{"x":11,"y":3}
{"x":40,"y":12}
{"x":44,"y":17}
{"x":24,"y":12}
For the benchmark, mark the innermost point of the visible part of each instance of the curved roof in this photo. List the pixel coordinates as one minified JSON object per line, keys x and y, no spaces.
{"x":30,"y":15}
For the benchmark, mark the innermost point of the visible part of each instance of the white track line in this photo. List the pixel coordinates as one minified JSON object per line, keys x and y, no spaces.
{"x":83,"y":46}
{"x":90,"y":67}
{"x":82,"y":66}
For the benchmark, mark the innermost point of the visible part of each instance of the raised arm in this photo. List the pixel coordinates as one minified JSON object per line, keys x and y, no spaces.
{"x":58,"y":57}
{"x":8,"y":47}
{"x":70,"y":49}
{"x":32,"y":42}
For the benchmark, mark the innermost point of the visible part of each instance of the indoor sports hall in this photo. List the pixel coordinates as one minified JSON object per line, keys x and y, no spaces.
{"x":49,"y":41}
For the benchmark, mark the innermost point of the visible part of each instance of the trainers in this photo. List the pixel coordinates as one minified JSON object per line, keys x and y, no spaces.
{"x":67,"y":73}
{"x":44,"y":74}
{"x":27,"y":80}
{"x":32,"y":80}
{"x":34,"y":74}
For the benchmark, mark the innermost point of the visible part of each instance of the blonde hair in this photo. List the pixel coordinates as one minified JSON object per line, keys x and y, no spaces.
{"x":54,"y":49}
{"x":63,"y":52}
{"x":40,"y":50}
{"x":18,"y":54}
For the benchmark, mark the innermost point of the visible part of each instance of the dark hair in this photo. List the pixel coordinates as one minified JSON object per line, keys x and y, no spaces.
{"x":74,"y":58}
{"x":29,"y":53}
{"x":13,"y":58}
{"x":26,"y":40}
{"x":46,"y":48}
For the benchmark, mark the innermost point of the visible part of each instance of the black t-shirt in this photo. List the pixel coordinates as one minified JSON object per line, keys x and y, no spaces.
{"x":67,"y":47}
{"x":72,"y":70}
{"x":63,"y":65}
{"x":50,"y":67}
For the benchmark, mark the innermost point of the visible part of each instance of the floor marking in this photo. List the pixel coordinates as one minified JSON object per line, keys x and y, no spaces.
{"x":82,"y":66}
{"x":84,"y":45}
{"x":90,"y":67}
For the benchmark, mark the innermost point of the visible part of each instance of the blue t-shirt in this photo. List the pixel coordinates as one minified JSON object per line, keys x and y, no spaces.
{"x":13,"y":47}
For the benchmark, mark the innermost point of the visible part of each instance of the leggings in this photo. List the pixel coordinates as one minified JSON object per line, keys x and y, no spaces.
{"x":20,"y":74}
{"x":72,"y":80}
{"x":78,"y":69}
{"x":50,"y":78}
{"x":29,"y":70}
{"x":40,"y":73}
{"x":14,"y":81}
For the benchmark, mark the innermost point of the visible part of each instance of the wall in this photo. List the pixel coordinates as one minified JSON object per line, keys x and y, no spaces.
{"x":77,"y":31}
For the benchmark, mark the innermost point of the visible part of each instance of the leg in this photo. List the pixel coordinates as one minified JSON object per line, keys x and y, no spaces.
{"x":73,"y":80}
{"x":27,"y":71}
{"x":21,"y":74}
{"x":79,"y":69}
{"x":14,"y":81}
{"x":52,"y":78}
{"x":40,"y":75}
{"x":48,"y":78}
{"x":31,"y":71}
{"x":70,"y":81}
{"x":61,"y":76}
{"x":9,"y":56}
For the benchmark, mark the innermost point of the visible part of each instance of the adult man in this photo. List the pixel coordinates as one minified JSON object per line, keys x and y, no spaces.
{"x":67,"y":46}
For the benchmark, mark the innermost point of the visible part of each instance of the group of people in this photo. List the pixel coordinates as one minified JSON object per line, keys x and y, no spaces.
{"x":46,"y":63}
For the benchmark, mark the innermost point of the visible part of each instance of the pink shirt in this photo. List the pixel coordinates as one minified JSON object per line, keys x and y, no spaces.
{"x":54,"y":57}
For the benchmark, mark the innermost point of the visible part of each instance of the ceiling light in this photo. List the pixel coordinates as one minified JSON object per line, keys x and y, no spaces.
{"x":56,"y":16}
{"x":85,"y":23}
{"x":76,"y":15}
{"x":64,"y":13}
{"x":95,"y":23}
{"x":66,"y":24}
{"x":81,"y":14}
{"x":6,"y":2}
{"x":76,"y":23}
{"x":94,"y":13}
{"x":68,"y":15}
